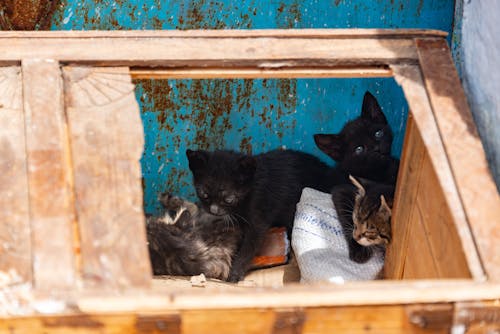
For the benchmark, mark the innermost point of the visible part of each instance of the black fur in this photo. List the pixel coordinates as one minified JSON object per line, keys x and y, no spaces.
{"x":363,"y":147}
{"x":255,"y":192}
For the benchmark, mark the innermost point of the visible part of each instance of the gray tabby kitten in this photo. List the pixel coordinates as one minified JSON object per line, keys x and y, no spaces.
{"x":189,"y":241}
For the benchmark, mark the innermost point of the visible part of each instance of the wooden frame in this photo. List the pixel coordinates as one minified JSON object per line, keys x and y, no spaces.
{"x":60,"y":94}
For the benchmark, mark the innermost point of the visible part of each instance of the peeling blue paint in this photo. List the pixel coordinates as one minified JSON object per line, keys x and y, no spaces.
{"x":249,"y":115}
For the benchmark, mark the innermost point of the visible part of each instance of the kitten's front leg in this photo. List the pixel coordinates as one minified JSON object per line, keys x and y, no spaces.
{"x":359,"y":253}
{"x":250,"y":243}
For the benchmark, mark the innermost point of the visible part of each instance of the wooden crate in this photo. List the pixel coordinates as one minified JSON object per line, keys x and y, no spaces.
{"x":73,"y":247}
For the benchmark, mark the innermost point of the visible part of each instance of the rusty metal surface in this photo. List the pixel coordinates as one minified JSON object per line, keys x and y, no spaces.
{"x":248,"y":115}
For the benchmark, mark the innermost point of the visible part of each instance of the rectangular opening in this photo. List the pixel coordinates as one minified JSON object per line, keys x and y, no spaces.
{"x":258,"y":115}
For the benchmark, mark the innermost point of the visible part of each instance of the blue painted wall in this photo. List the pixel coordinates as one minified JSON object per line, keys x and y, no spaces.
{"x":249,"y":115}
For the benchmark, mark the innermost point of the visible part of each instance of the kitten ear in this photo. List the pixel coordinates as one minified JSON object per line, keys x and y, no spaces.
{"x":371,"y":109}
{"x":357,"y":184}
{"x":384,"y":207}
{"x":197,"y":159}
{"x":331,"y":144}
{"x":247,"y":166}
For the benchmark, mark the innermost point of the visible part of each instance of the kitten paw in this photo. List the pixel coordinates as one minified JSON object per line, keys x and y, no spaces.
{"x":361,"y":255}
{"x":235,"y":276}
{"x":171,"y":202}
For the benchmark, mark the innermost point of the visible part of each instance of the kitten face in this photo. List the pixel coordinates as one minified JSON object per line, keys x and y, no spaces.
{"x":371,"y":217}
{"x":367,"y":138}
{"x":222,"y":179}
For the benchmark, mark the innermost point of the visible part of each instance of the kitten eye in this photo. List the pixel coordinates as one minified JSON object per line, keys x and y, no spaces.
{"x":229,"y":199}
{"x":359,"y":150}
{"x":379,"y":134}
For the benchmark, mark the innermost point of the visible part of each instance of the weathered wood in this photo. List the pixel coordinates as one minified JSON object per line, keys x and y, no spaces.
{"x":464,"y":150}
{"x":426,"y":221}
{"x":15,"y":233}
{"x":409,"y":77}
{"x":107,"y":142}
{"x":477,"y":317}
{"x":257,"y":50}
{"x":439,"y":229}
{"x":419,"y":262}
{"x":435,"y":317}
{"x":404,"y":201}
{"x":94,"y":323}
{"x":383,"y":292}
{"x":228,"y":321}
{"x":49,"y":176}
{"x":234,"y":33}
{"x":244,"y":73}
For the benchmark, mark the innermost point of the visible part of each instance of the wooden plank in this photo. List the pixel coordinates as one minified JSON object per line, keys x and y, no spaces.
{"x":405,"y":201}
{"x":363,"y":319}
{"x":476,"y":188}
{"x":15,"y":233}
{"x":477,"y":317}
{"x":244,"y":73}
{"x":49,"y":176}
{"x":245,"y":321}
{"x":409,"y":77}
{"x":273,"y":50}
{"x":419,"y":262}
{"x":431,"y":247}
{"x":441,"y":234}
{"x":93,"y":323}
{"x":382,"y":292}
{"x":233,"y":33}
{"x":107,"y":142}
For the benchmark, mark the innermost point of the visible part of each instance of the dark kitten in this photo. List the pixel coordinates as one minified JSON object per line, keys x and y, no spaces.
{"x":255,"y":192}
{"x":188,"y":241}
{"x":364,"y":212}
{"x":363,"y":146}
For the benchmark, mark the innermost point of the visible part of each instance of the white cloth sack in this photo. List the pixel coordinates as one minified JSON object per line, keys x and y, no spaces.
{"x":320,"y":247}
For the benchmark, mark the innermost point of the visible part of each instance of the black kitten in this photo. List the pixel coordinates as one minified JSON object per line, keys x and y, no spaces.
{"x":363,"y":146}
{"x":255,"y":192}
{"x":188,"y":241}
{"x":364,"y":211}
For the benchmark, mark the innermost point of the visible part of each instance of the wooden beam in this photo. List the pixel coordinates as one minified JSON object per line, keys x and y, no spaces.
{"x":476,"y":188}
{"x":365,"y":319}
{"x":384,"y":292}
{"x":232,"y":33}
{"x":49,"y":176}
{"x":404,"y":202}
{"x":253,"y":49}
{"x":15,"y":233}
{"x":410,"y":78}
{"x":107,"y":141}
{"x":243,"y":73}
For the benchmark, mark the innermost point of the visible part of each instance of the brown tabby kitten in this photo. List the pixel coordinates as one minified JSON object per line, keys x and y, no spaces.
{"x":188,"y":241}
{"x":364,"y":211}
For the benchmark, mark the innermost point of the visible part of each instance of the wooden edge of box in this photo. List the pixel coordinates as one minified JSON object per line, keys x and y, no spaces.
{"x":232,"y":33}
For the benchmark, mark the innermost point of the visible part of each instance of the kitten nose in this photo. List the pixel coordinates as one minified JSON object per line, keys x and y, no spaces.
{"x":214,"y":209}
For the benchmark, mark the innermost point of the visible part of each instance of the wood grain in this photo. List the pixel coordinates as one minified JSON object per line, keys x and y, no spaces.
{"x":15,"y":233}
{"x":233,"y":33}
{"x":438,"y":226}
{"x":272,"y":51}
{"x":49,"y":176}
{"x":464,"y":150}
{"x":107,"y":142}
{"x":383,"y":292}
{"x":410,"y":78}
{"x":245,"y":73}
{"x":404,"y":202}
